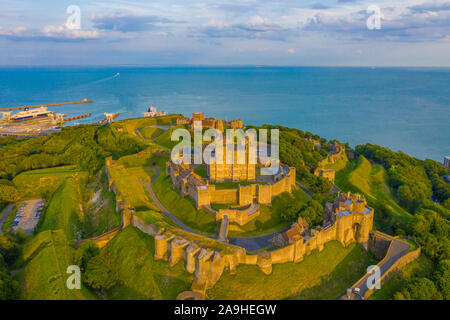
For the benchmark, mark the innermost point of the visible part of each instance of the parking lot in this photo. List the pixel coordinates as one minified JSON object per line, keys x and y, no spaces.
{"x":28,"y":216}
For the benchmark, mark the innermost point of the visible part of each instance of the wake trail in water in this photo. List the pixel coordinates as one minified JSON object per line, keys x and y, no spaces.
{"x":96,"y":81}
{"x":105,"y":79}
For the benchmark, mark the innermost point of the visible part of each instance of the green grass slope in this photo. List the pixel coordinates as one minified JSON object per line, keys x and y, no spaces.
{"x":165,"y":139}
{"x":46,"y":258}
{"x":133,"y":191}
{"x":130,"y":257}
{"x":40,"y":183}
{"x":150,"y":132}
{"x":321,"y":275}
{"x":371,"y":180}
{"x":63,"y":210}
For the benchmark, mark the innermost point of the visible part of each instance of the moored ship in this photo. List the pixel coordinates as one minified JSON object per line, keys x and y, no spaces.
{"x":31,"y":114}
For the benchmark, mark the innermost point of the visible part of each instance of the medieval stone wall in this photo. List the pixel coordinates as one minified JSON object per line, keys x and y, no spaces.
{"x":223,"y":196}
{"x":243,"y":195}
{"x":247,"y":194}
{"x":240,"y":216}
{"x":332,"y":158}
{"x":264,"y":194}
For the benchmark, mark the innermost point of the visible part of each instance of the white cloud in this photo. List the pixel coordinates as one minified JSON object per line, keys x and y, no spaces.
{"x":62,"y":32}
{"x":49,"y":33}
{"x":256,"y":27}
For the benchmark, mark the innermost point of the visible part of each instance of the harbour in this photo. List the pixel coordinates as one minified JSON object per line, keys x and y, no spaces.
{"x":37,"y":120}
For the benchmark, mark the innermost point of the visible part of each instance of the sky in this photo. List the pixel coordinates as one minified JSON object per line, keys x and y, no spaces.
{"x":226,"y":32}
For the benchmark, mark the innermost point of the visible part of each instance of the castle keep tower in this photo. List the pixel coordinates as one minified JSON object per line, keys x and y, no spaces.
{"x":219,"y":172}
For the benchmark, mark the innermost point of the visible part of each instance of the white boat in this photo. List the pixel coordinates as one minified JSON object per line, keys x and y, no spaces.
{"x":31,"y":114}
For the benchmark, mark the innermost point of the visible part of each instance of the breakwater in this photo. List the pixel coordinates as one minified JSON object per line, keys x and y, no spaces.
{"x":47,"y":105}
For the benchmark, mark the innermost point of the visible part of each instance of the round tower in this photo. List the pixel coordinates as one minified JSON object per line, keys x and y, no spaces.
{"x":365,"y":228}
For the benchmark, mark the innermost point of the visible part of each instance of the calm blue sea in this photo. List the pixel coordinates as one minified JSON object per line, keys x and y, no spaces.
{"x":405,"y":109}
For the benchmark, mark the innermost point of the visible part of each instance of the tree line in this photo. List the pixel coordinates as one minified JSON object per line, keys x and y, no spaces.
{"x":85,"y":146}
{"x":416,"y":184}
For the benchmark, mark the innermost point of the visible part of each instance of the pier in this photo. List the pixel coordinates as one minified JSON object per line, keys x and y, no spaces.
{"x":78,"y":117}
{"x":47,"y":105}
{"x":109,"y":118}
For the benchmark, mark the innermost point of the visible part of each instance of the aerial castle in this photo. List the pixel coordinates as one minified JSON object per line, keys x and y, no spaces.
{"x":204,"y":192}
{"x":243,"y":200}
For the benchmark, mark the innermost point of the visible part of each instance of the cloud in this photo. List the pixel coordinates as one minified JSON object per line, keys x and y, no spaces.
{"x":404,"y":26}
{"x":126,"y":22}
{"x":254,"y":28}
{"x":234,"y":7}
{"x":291,"y":50}
{"x":62,"y":32}
{"x":430,"y":6}
{"x":49,"y":33}
{"x":319,"y":6}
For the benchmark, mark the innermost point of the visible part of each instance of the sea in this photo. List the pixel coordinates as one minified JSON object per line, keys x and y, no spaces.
{"x":405,"y":109}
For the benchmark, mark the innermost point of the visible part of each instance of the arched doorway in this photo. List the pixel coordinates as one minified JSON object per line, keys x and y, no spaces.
{"x":356,"y":228}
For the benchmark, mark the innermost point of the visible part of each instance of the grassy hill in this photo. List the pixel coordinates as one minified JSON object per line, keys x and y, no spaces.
{"x":74,"y":204}
{"x":46,"y":258}
{"x":131,"y":189}
{"x":130,"y":125}
{"x":73,"y":200}
{"x":40,"y":183}
{"x":150,"y":132}
{"x":64,"y":211}
{"x":130,"y":174}
{"x":371,"y":180}
{"x":165,"y":138}
{"x":130,"y":257}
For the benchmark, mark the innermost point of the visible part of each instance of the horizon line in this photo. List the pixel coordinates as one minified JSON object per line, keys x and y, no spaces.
{"x":218,"y":65}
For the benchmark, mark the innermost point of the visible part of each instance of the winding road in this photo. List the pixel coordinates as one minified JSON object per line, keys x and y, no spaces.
{"x":5,"y":214}
{"x":166,"y":212}
{"x":396,"y":250}
{"x":250,"y":244}
{"x":309,"y":193}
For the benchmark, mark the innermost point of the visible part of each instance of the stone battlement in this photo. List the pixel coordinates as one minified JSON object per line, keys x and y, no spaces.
{"x":187,"y":183}
{"x":212,"y":123}
{"x":208,"y":264}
